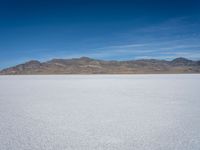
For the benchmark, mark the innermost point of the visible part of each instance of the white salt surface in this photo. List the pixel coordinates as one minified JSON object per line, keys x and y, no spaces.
{"x":100,"y":112}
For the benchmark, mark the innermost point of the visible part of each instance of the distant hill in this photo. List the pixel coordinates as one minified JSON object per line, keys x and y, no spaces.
{"x":85,"y":65}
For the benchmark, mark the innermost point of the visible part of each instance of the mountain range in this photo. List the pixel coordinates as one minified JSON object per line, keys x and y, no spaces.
{"x":85,"y":65}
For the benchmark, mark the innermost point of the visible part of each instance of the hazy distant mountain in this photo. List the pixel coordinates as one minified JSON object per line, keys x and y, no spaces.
{"x":85,"y":65}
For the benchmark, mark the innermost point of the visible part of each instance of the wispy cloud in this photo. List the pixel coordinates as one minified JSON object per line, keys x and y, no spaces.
{"x":172,"y":38}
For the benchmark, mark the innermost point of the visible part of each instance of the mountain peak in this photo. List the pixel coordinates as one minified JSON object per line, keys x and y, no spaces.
{"x":181,"y":59}
{"x":85,"y":58}
{"x":33,"y":62}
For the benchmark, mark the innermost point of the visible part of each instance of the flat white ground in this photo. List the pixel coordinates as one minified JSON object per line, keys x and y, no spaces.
{"x":100,"y":112}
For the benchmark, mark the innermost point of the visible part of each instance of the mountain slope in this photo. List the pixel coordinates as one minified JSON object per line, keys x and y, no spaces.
{"x":85,"y":65}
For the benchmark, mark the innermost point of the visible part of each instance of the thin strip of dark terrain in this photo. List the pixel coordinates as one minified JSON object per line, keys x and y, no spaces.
{"x":85,"y":65}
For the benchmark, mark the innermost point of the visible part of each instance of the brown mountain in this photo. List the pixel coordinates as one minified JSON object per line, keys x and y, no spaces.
{"x":85,"y":65}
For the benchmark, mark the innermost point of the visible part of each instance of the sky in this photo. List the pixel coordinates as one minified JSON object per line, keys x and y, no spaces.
{"x":102,"y":29}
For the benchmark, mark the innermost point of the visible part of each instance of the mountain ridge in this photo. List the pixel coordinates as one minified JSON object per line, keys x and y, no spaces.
{"x":86,"y":65}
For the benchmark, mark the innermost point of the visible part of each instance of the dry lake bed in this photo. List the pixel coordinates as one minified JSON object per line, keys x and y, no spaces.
{"x":100,"y":112}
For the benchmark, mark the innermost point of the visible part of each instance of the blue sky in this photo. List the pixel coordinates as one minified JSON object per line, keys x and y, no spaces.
{"x":102,"y":29}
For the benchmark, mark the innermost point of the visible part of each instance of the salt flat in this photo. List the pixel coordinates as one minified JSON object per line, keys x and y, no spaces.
{"x":100,"y":112}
